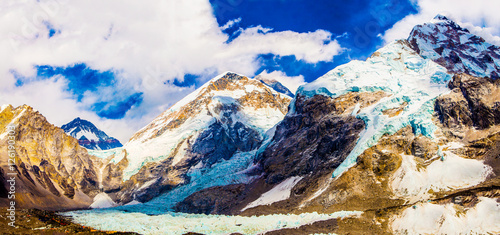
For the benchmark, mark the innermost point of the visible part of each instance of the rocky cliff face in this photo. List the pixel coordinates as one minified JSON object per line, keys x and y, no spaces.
{"x":473,"y":102}
{"x":53,"y":171}
{"x":89,"y":136}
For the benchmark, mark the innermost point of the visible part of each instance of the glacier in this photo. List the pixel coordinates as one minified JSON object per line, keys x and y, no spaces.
{"x":232,"y":171}
{"x":398,"y":71}
{"x":181,"y":223}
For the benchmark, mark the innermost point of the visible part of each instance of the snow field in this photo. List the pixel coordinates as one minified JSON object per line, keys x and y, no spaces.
{"x":454,"y":172}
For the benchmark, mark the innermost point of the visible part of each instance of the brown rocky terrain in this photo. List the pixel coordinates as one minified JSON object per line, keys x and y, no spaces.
{"x":53,"y":171}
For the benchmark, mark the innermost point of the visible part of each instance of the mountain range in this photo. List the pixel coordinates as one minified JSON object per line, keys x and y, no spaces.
{"x":407,"y":141}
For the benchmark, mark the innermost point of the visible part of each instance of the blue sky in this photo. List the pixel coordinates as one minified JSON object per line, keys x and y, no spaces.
{"x":357,"y":24}
{"x":120,"y":63}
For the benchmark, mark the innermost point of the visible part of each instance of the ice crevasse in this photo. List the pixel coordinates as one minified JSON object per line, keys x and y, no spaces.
{"x":400,"y":72}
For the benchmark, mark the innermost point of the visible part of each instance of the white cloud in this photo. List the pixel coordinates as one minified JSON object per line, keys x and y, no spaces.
{"x":51,"y":100}
{"x":148,"y":42}
{"x":230,"y":24}
{"x":292,"y":83}
{"x":480,"y":17}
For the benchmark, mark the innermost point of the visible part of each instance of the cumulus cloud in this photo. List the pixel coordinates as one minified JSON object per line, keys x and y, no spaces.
{"x":480,"y":17}
{"x":291,"y":82}
{"x":147,"y":43}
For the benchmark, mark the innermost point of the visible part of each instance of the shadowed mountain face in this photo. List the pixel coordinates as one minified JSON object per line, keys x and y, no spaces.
{"x":277,"y":86}
{"x":89,"y":136}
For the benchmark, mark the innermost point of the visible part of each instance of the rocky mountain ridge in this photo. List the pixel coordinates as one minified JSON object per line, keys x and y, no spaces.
{"x":455,"y":48}
{"x":277,"y":86}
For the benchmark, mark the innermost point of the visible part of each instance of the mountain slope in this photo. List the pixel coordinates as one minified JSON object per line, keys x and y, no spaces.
{"x":397,"y":132}
{"x":53,"y":171}
{"x":334,"y":119}
{"x":219,"y":122}
{"x":89,"y":136}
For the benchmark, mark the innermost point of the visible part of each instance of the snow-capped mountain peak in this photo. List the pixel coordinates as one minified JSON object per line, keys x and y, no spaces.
{"x":223,"y":121}
{"x":89,"y":136}
{"x":455,"y":48}
{"x":226,"y":88}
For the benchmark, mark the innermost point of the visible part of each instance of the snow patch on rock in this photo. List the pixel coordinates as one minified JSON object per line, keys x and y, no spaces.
{"x":102,"y":200}
{"x":453,"y":172}
{"x":278,"y":193}
{"x":429,"y":218}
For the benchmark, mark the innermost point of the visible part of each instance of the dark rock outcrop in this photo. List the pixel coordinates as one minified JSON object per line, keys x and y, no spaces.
{"x":473,"y":101}
{"x":316,"y":139}
{"x":214,"y":200}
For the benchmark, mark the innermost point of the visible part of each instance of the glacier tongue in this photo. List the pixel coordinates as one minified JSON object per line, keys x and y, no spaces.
{"x":180,"y":223}
{"x":397,"y":70}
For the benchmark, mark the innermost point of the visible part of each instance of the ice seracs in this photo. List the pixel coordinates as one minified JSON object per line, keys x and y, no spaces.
{"x":399,"y":71}
{"x":179,"y":223}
